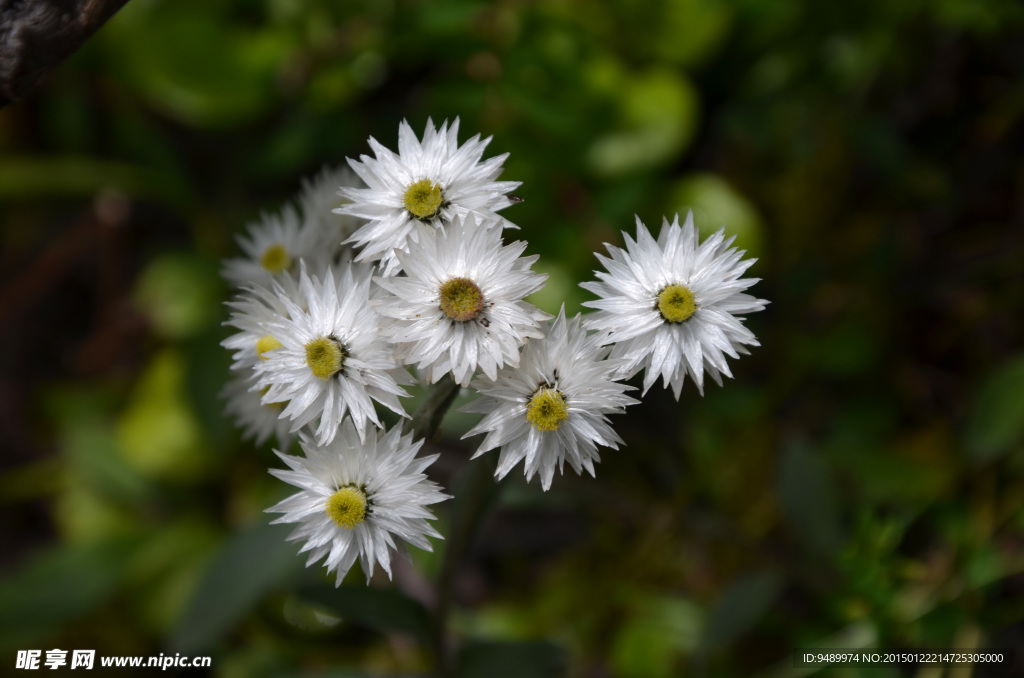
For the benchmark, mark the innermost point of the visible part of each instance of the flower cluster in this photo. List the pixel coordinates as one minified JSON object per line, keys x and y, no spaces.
{"x":397,"y":271}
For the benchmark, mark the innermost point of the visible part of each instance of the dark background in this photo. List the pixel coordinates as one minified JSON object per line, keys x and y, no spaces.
{"x":858,"y":484}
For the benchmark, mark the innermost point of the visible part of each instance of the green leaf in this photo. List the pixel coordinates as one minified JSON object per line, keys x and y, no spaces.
{"x":560,"y":289}
{"x":984,"y":566}
{"x":248,"y":567}
{"x":884,"y":474}
{"x":691,"y":30}
{"x":83,"y":418}
{"x":159,"y":434}
{"x":59,"y":586}
{"x":659,"y":109}
{"x":225,"y":77}
{"x":28,"y":178}
{"x":808,"y":497}
{"x":656,"y":636}
{"x":207,"y":366}
{"x":181,"y":294}
{"x":995,"y":425}
{"x":384,"y":610}
{"x":739,"y":608}
{"x":715,"y":204}
{"x":493,"y":659}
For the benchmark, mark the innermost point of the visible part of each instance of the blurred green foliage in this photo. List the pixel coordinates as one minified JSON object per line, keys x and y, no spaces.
{"x":859,"y":483}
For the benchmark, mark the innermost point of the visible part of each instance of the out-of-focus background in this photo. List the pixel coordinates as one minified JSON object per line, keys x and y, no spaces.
{"x":860,"y":482}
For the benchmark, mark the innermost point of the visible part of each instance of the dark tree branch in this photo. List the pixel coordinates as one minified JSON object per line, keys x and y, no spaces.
{"x":37,"y":35}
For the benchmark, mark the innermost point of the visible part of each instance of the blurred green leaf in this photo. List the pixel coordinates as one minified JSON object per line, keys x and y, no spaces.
{"x":158,"y":434}
{"x":207,"y":366}
{"x":84,"y":514}
{"x":331,"y":88}
{"x":340,"y":673}
{"x":995,"y":424}
{"x":982,"y":16}
{"x":168,"y":566}
{"x":559,"y":289}
{"x":224,"y":76}
{"x":181,"y":294}
{"x":883,"y":475}
{"x":255,"y":670}
{"x":262,"y":660}
{"x":384,"y":610}
{"x":659,"y":109}
{"x":98,"y":496}
{"x":656,"y":636}
{"x":248,"y":566}
{"x":691,"y":30}
{"x":35,"y":177}
{"x":738,"y":609}
{"x":715,"y":205}
{"x":92,"y":452}
{"x":83,"y":417}
{"x":808,"y":496}
{"x":491,"y":659}
{"x":446,"y":19}
{"x":984,"y":566}
{"x":57,"y":587}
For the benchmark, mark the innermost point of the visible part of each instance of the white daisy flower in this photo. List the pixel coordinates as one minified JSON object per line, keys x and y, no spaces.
{"x":424,"y":186}
{"x":670,"y":305}
{"x":331,"y":360}
{"x":459,"y":306}
{"x":251,"y":309}
{"x":274,"y":245}
{"x":553,"y":407}
{"x":257,"y":420}
{"x":359,"y":498}
{"x":321,"y":196}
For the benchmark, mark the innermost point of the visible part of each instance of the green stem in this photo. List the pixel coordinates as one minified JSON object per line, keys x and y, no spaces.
{"x":427,"y":419}
{"x":474,"y":493}
{"x":474,"y":496}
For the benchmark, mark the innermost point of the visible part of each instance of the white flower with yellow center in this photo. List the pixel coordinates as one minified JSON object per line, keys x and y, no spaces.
{"x":360,"y":498}
{"x":423,"y":187}
{"x":670,"y":306}
{"x":553,"y":407}
{"x":253,"y":307}
{"x":257,"y":420}
{"x":275,"y":245}
{"x":460,"y":305}
{"x":331,"y":360}
{"x":321,"y":196}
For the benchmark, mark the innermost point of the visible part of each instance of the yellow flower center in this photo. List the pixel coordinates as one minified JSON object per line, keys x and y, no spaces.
{"x":676,"y":303}
{"x":423,"y":199}
{"x":266,"y":343}
{"x":325,"y":356}
{"x":461,"y":299}
{"x":547,"y":409}
{"x":346,"y":507}
{"x":275,"y":259}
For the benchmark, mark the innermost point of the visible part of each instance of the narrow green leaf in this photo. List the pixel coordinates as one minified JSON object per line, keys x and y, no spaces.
{"x":739,"y":608}
{"x":655,"y":636}
{"x":59,"y":586}
{"x":384,"y":610}
{"x":34,"y":177}
{"x":248,"y":567}
{"x":808,"y":496}
{"x":995,"y":425}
